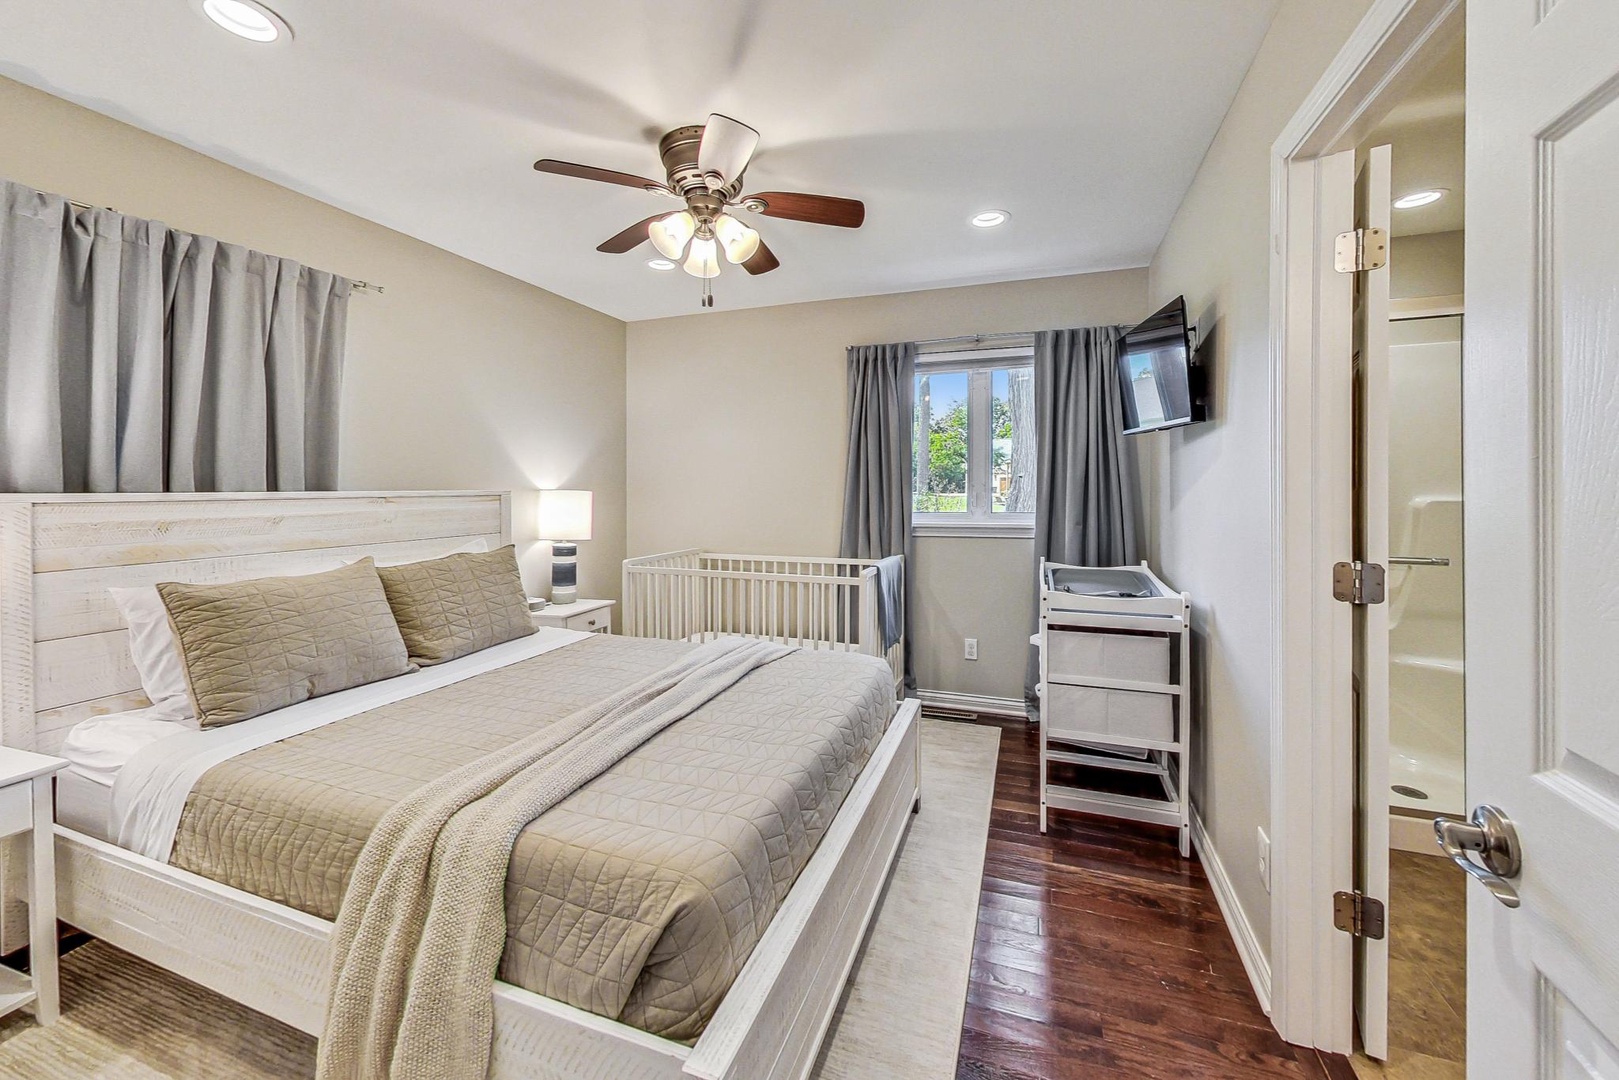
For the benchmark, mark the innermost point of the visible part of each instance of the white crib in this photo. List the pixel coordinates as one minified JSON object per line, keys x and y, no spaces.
{"x":816,"y":603}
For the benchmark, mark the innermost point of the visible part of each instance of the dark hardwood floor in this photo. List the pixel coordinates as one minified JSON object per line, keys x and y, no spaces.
{"x":1101,"y":954}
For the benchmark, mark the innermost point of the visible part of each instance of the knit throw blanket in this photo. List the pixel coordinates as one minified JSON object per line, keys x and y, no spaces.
{"x":420,"y":933}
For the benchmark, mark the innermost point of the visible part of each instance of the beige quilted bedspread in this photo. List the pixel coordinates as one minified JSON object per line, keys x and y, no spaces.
{"x":640,"y":896}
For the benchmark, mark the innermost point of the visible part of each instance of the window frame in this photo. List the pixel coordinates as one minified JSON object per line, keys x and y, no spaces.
{"x":980,"y":519}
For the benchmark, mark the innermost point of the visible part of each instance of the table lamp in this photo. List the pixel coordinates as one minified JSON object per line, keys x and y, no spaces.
{"x":564,"y":519}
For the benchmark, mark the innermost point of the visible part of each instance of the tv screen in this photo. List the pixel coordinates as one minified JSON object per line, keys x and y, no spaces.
{"x":1162,"y":386}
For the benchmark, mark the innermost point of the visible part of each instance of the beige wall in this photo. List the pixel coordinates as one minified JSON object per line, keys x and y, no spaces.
{"x":1210,"y":521}
{"x":737,"y":441}
{"x":457,"y":377}
{"x":1428,"y":264}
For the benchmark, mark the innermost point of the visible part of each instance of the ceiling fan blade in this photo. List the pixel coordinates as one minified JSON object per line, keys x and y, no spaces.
{"x":819,"y":209}
{"x":762,"y":261}
{"x":726,"y":148}
{"x":590,"y":172}
{"x":630,"y":239}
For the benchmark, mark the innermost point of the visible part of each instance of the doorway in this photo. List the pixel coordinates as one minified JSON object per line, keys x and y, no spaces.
{"x":1425,"y":980}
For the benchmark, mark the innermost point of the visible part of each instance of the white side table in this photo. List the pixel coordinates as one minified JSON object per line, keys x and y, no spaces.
{"x":591,"y":616}
{"x":26,"y":807}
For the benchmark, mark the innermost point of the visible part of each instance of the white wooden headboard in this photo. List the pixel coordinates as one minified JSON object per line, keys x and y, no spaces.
{"x":64,"y":650}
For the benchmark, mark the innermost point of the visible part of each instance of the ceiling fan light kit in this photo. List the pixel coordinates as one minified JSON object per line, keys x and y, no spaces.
{"x":702,"y":261}
{"x":671,"y":234}
{"x":705,"y":165}
{"x":739,"y":241}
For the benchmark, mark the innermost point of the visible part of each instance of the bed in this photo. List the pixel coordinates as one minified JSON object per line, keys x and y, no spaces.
{"x":815,"y":602}
{"x":259,"y":935}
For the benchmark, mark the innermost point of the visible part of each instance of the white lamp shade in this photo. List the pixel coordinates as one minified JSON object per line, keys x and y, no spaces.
{"x":565,"y":515}
{"x":739,"y":241}
{"x":704,"y":260}
{"x":670,"y":234}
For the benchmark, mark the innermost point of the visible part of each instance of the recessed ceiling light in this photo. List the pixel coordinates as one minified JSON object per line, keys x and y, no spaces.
{"x":660,"y":264}
{"x":988,"y":219}
{"x":247,"y":19}
{"x":1419,"y":198}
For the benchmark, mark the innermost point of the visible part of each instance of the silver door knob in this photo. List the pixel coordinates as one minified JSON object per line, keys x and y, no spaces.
{"x":1491,"y":836}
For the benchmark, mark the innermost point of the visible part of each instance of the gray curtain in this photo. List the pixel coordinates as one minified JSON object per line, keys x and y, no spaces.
{"x":1085,"y":509}
{"x":877,"y":486}
{"x":134,"y":357}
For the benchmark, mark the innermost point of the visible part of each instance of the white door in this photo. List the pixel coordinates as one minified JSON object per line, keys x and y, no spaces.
{"x":1371,"y":649}
{"x":1541,"y":418}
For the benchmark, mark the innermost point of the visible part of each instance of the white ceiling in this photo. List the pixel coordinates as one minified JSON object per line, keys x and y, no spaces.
{"x":1427,"y":131}
{"x":1085,"y":118}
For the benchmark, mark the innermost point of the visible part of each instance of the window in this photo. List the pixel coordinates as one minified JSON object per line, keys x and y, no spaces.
{"x":973,"y":443}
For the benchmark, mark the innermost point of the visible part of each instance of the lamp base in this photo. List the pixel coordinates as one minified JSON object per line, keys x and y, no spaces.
{"x":564,"y":573}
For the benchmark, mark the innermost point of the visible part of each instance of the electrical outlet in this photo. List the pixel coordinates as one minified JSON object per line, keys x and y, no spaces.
{"x":972,"y":648}
{"x":1264,"y":858}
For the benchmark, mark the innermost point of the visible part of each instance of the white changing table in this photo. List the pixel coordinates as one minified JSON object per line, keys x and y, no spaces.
{"x":1115,"y":664}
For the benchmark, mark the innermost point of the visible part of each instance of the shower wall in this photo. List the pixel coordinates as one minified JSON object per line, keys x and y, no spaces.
{"x":1426,"y":732}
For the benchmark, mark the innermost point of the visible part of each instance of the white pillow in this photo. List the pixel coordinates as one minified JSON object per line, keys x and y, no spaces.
{"x":157,"y":655}
{"x":152,"y":645}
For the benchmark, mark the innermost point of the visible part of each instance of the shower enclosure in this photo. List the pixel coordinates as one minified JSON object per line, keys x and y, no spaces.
{"x":1426,"y":721}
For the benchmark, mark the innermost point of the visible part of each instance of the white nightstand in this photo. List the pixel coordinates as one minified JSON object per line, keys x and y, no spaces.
{"x":26,"y":807}
{"x":591,"y":616}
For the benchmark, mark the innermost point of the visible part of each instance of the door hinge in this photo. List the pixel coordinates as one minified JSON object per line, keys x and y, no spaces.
{"x":1357,"y":582}
{"x":1360,"y":249}
{"x":1359,"y":915}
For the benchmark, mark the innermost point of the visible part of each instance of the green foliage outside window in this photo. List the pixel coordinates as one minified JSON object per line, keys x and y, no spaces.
{"x":941,"y":452}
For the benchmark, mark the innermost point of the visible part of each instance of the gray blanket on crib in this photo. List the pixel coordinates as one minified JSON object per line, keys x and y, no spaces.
{"x":891,"y":599}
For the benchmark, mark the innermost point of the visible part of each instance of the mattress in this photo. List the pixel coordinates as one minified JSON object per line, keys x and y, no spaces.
{"x":83,"y":803}
{"x":97,"y":750}
{"x":639,"y":897}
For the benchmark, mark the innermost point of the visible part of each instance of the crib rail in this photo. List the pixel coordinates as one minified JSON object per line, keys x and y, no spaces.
{"x":810,"y":601}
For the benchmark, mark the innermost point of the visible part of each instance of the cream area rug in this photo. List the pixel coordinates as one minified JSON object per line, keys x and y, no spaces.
{"x":900,"y":1017}
{"x":124,"y":1019}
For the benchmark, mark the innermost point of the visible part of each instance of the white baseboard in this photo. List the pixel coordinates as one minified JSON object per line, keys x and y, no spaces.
{"x":974,"y":703}
{"x":1242,"y":931}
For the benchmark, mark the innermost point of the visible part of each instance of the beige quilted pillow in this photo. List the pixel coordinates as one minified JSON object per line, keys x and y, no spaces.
{"x":459,"y":604}
{"x":251,"y":647}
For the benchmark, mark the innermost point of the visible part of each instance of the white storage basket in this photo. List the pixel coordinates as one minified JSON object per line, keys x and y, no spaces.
{"x":1084,"y":713}
{"x":1078,"y":712}
{"x":1092,"y":654}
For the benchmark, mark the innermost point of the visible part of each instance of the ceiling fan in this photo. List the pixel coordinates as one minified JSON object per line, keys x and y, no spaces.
{"x":705,"y":164}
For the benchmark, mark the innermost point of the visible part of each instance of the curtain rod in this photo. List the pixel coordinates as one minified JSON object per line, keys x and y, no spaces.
{"x":365,"y":286}
{"x":975,"y":338}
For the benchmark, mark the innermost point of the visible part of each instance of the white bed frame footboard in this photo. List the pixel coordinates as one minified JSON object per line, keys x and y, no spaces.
{"x":769,"y":1027}
{"x":64,"y":656}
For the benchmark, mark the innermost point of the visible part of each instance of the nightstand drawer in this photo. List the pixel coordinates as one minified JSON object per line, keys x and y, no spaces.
{"x":16,"y":809}
{"x":591,"y":616}
{"x":592,"y":622}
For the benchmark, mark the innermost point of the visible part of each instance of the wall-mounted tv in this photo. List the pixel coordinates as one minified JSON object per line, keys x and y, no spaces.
{"x":1164,"y":386}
